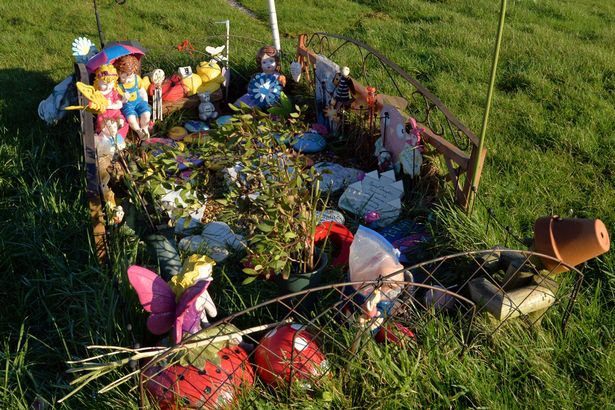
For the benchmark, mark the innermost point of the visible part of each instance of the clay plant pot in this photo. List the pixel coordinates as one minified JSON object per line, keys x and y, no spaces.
{"x":573,"y":241}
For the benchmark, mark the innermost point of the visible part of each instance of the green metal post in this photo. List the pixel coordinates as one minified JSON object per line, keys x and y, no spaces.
{"x":483,"y":132}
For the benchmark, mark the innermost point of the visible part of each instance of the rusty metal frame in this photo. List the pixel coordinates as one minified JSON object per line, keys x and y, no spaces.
{"x":449,"y":136}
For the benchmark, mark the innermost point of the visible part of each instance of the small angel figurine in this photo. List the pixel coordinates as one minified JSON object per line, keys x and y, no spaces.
{"x":136,"y":109}
{"x":265,"y":87}
{"x":105,"y":82}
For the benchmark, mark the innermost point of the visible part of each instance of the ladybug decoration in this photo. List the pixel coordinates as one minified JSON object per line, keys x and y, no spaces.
{"x":289,"y":354}
{"x":209,"y":378}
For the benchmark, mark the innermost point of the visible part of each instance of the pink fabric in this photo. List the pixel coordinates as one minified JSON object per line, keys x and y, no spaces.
{"x":112,"y":97}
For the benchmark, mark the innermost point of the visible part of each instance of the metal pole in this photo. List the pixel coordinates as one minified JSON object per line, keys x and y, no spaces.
{"x":274,"y":25}
{"x":100,"y":32}
{"x":494,"y":65}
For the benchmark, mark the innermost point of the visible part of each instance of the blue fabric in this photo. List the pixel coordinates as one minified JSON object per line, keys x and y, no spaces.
{"x":135,"y":108}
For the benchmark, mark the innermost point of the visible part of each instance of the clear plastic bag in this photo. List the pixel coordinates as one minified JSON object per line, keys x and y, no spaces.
{"x":373,"y":257}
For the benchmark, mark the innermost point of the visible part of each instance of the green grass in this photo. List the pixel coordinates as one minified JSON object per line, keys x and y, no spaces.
{"x":550,"y":144}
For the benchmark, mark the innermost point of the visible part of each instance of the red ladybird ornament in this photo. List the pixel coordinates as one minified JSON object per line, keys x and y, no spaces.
{"x":203,"y":378}
{"x":289,"y":353}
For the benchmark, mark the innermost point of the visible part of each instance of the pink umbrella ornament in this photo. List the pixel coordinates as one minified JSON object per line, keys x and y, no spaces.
{"x":112,"y":52}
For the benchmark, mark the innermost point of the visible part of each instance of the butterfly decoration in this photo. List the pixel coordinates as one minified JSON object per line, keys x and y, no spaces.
{"x":265,"y":89}
{"x":184,"y":314}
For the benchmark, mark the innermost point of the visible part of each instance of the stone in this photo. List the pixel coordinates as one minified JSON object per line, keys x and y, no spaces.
{"x":309,"y":143}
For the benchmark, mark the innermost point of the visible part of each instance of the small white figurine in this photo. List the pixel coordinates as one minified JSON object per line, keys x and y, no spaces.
{"x":108,"y":144}
{"x":207,"y":110}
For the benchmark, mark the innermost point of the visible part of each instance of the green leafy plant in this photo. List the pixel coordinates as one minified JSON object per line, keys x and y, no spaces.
{"x":272,"y":192}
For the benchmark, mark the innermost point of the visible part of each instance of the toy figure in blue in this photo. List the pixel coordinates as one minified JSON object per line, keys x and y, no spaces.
{"x":265,"y":87}
{"x":136,"y":109}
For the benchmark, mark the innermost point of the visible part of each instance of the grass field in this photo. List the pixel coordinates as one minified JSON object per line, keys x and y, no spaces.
{"x":550,"y":140}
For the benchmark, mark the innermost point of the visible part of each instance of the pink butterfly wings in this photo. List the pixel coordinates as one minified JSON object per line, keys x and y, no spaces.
{"x":156,"y":297}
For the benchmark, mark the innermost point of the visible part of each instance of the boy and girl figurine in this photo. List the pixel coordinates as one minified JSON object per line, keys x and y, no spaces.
{"x":123,"y":88}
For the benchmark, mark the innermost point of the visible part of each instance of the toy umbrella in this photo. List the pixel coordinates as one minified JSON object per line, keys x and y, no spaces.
{"x":114,"y":51}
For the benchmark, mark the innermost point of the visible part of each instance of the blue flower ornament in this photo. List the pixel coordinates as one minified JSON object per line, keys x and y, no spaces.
{"x":265,"y":90}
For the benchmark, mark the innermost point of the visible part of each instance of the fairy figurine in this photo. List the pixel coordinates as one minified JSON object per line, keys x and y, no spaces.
{"x":105,"y":81}
{"x":136,"y":109}
{"x":265,"y":87}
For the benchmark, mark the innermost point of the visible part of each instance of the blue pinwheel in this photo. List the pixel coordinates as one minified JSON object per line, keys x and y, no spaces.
{"x":265,"y":90}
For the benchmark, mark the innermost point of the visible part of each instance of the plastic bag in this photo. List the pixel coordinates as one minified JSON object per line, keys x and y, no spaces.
{"x":51,"y":110}
{"x":373,"y":257}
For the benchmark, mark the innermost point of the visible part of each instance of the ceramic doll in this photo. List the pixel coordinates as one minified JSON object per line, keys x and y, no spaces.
{"x":265,"y":87}
{"x":136,"y":109}
{"x":106,"y":82}
{"x":342,"y":97}
{"x":108,"y":143}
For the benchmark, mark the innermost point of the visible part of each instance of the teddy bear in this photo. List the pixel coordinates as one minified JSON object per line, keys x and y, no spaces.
{"x":207,"y":110}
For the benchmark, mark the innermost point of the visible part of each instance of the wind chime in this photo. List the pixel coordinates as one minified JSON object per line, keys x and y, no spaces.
{"x":157,"y":79}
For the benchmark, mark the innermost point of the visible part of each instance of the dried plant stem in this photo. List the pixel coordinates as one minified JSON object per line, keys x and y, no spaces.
{"x":96,"y":369}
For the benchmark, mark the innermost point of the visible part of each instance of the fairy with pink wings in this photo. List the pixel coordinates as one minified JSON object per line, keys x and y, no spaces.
{"x":182,"y":304}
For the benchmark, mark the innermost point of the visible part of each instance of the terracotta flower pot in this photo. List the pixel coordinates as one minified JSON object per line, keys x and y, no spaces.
{"x":572,"y":241}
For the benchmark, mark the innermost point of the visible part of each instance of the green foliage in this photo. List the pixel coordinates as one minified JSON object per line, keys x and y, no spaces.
{"x":273,"y":195}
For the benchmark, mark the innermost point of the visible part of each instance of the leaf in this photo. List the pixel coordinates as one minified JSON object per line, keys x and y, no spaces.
{"x":265,"y":227}
{"x":250,"y":271}
{"x":249,"y":280}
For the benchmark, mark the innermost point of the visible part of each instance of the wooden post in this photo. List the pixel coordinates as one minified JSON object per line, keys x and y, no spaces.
{"x":95,"y":204}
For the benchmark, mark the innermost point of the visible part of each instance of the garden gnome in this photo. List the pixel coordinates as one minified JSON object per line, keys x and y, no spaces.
{"x":136,"y":109}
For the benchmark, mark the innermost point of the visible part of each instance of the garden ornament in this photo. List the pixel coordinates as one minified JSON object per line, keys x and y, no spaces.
{"x":210,"y":374}
{"x":211,"y":75}
{"x":295,"y":71}
{"x":108,"y":143}
{"x":83,"y":49}
{"x":157,"y":77}
{"x":207,"y":110}
{"x":342,"y":96}
{"x":114,"y":51}
{"x":135,"y":109}
{"x":265,"y":87}
{"x":216,"y":52}
{"x":53,"y":108}
{"x":400,"y":135}
{"x":216,"y":240}
{"x":105,"y":82}
{"x":371,"y":318}
{"x":289,"y":354}
{"x":378,"y":193}
{"x":182,"y":311}
{"x":97,"y":102}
